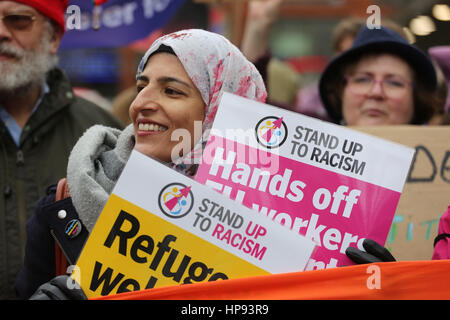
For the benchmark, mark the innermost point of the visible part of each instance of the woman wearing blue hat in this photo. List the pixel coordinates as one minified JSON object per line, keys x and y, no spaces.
{"x":380,"y":80}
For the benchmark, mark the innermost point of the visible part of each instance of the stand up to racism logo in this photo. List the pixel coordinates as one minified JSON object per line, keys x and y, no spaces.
{"x":176,"y":200}
{"x":271,"y":132}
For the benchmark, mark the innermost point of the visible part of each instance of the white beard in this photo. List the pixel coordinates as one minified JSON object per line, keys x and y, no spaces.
{"x":29,"y":68}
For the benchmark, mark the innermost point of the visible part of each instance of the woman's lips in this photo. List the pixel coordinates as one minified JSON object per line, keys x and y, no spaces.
{"x":374,"y":112}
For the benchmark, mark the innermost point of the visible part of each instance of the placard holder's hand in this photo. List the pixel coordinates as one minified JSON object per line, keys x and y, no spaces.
{"x":58,"y":289}
{"x":375,"y":252}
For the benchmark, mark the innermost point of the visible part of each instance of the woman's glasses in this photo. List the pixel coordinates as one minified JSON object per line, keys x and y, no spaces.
{"x":18,"y":22}
{"x":393,"y":86}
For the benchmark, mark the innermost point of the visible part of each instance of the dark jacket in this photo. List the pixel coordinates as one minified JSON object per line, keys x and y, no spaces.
{"x":43,"y":229}
{"x":39,"y":161}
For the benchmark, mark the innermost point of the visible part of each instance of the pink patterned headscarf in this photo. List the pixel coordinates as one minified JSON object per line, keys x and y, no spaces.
{"x":215,"y":66}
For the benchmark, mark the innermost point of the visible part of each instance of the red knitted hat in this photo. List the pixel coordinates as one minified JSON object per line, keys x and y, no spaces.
{"x":54,"y":9}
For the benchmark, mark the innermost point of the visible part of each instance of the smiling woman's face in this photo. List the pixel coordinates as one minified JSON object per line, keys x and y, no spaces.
{"x":167,"y":100}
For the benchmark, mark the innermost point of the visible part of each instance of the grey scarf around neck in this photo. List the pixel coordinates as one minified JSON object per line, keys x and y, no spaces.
{"x":94,"y":166}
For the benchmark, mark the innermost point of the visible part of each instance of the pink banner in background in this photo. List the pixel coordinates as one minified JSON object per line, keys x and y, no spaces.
{"x":336,"y":211}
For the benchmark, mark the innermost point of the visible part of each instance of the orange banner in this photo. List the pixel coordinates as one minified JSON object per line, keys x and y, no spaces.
{"x":388,"y":281}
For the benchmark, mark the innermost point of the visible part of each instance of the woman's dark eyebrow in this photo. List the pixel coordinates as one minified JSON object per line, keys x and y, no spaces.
{"x":171,"y":79}
{"x":164,"y":80}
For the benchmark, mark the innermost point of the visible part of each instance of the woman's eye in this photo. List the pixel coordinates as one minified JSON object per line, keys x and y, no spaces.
{"x":173,"y":92}
{"x":395,"y":83}
{"x":362,"y":79}
{"x":139,"y":88}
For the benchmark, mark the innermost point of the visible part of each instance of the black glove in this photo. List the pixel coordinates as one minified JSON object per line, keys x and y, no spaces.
{"x":375,"y":252}
{"x":56,"y":289}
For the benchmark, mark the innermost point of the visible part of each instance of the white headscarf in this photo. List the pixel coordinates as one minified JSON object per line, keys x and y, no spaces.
{"x":215,"y":66}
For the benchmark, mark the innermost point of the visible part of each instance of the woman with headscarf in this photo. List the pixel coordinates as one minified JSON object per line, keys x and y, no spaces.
{"x":180,"y":80}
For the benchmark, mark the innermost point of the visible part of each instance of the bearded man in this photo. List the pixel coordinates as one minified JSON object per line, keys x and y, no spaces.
{"x":40,"y":120}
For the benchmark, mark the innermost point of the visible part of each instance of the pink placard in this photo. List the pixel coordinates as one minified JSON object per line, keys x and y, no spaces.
{"x":333,"y":209}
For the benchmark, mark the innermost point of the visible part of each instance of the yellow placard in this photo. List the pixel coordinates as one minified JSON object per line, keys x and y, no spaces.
{"x":133,"y":249}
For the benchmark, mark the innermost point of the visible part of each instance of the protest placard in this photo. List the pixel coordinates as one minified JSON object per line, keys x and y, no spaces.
{"x":161,"y":228}
{"x":332,"y":184}
{"x":425,"y":196}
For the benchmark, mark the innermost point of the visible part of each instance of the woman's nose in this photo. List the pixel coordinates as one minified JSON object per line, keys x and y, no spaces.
{"x":376,"y":90}
{"x":146,"y":99}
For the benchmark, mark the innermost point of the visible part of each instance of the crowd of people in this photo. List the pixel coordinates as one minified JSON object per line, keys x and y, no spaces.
{"x":46,"y":132}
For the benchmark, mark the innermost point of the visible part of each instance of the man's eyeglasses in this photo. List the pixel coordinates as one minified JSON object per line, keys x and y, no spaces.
{"x":18,"y":22}
{"x":393,"y":87}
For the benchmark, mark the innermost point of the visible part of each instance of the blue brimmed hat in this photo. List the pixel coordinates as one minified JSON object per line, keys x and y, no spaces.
{"x":383,"y":40}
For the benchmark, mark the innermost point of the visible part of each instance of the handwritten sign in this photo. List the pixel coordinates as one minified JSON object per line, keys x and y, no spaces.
{"x":332,"y":184}
{"x":160,"y":228}
{"x":425,"y":196}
